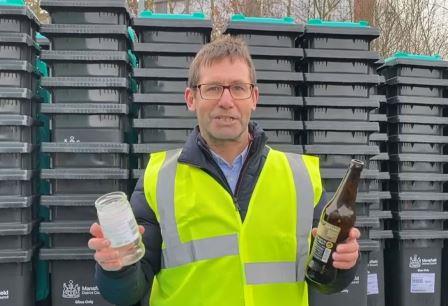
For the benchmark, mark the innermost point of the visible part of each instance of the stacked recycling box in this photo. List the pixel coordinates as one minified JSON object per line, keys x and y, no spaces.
{"x":167,"y":43}
{"x":415,"y":88}
{"x":341,"y":93}
{"x":19,"y":79}
{"x":89,"y":81}
{"x":277,"y":62}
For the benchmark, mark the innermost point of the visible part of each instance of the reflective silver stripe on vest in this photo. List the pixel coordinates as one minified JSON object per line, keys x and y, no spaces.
{"x":288,"y":272}
{"x":177,"y":253}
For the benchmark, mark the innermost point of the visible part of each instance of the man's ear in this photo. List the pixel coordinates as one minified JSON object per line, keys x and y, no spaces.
{"x":255,"y":97}
{"x":189,"y":99}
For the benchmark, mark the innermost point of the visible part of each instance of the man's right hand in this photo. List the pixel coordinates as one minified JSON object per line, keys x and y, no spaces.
{"x":108,"y":258}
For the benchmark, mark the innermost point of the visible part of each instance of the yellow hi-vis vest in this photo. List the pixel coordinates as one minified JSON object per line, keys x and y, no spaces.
{"x":209,"y":256}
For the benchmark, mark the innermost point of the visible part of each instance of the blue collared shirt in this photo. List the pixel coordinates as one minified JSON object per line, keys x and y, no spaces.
{"x":231,"y":171}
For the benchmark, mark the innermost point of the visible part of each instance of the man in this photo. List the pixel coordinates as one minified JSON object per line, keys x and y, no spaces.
{"x":226,"y":220}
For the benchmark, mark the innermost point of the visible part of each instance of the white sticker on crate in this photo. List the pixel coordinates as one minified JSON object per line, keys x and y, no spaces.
{"x":372,"y":283}
{"x":4,"y":294}
{"x":422,"y":282}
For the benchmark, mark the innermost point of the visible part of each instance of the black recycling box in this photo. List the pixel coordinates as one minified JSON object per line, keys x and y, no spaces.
{"x":424,"y":163}
{"x":17,"y":155}
{"x":165,"y":55}
{"x":412,"y":86}
{"x":421,"y":201}
{"x":18,"y":209}
{"x":18,"y":46}
{"x":88,"y":90}
{"x":18,"y":101}
{"x":73,"y":207}
{"x":67,"y":234}
{"x":413,"y":268}
{"x":343,"y":109}
{"x":113,"y":12}
{"x":418,"y":220}
{"x":85,"y":155}
{"x":86,"y":180}
{"x":375,"y":269}
{"x":88,"y":122}
{"x":420,"y":144}
{"x":339,"y":132}
{"x":321,"y":34}
{"x":16,"y":182}
{"x":72,"y":277}
{"x":413,"y":65}
{"x":409,"y":105}
{"x":87,"y":37}
{"x":276,"y":58}
{"x":267,"y":32}
{"x":18,"y":19}
{"x":417,"y":182}
{"x":19,"y":74}
{"x":339,"y":156}
{"x":87,"y":63}
{"x":16,"y":279}
{"x":172,"y":28}
{"x":340,"y":61}
{"x":416,"y":125}
{"x":18,"y":236}
{"x":43,"y":42}
{"x":356,"y":292}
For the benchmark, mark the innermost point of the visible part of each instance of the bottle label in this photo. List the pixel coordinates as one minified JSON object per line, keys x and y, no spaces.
{"x":119,"y":227}
{"x":325,"y":241}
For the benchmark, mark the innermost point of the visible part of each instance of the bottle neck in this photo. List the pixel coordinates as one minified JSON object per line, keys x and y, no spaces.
{"x":348,"y":188}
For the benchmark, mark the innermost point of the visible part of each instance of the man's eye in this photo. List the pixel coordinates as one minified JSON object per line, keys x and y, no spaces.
{"x":213,"y":89}
{"x":238,"y":88}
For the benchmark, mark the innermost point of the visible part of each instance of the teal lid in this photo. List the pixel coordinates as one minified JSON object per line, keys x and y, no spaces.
{"x":338,"y":24}
{"x":132,"y":59}
{"x":411,"y":56}
{"x":150,"y":14}
{"x":40,"y":36}
{"x":134,"y":85}
{"x":12,"y":2}
{"x":44,"y":94}
{"x":132,"y":34}
{"x":243,"y":18}
{"x":41,"y":68}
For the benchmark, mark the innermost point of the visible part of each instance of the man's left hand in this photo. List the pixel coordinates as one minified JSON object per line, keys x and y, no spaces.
{"x":347,"y":252}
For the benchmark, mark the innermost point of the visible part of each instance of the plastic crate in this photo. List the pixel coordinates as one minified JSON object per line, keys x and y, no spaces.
{"x":87,"y":63}
{"x":413,"y":106}
{"x":73,"y":207}
{"x":411,"y":86}
{"x":72,"y":277}
{"x":42,"y":41}
{"x":276,"y":58}
{"x":67,"y":234}
{"x":165,"y":55}
{"x":114,"y":12}
{"x":172,"y":28}
{"x":18,"y":74}
{"x":415,"y":125}
{"x":86,"y":180}
{"x":17,"y":128}
{"x":413,"y":268}
{"x":18,"y":209}
{"x":338,"y":132}
{"x":18,"y":19}
{"x":417,"y":163}
{"x":85,"y":155}
{"x":87,"y":123}
{"x":17,"y":182}
{"x":18,"y":46}
{"x":420,"y":182}
{"x":18,"y":236}
{"x":321,"y":34}
{"x":413,"y":65}
{"x":422,"y":201}
{"x":17,"y":278}
{"x":18,"y":101}
{"x":17,"y":155}
{"x":267,"y":32}
{"x":336,"y":61}
{"x":419,"y":144}
{"x":418,"y":220}
{"x":87,"y":37}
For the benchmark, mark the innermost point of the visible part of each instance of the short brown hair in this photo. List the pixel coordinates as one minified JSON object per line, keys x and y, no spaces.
{"x":225,"y":46}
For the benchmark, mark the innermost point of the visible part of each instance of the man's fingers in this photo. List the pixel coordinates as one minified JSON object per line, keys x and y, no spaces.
{"x":113,"y":265}
{"x":343,"y":265}
{"x":106,"y":256}
{"x":96,"y":231}
{"x":314,"y":232}
{"x":354,"y":233}
{"x":345,"y":257}
{"x":141,"y":229}
{"x":348,"y":247}
{"x":98,"y":243}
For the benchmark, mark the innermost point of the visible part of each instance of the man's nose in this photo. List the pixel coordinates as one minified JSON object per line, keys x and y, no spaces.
{"x":226,"y":100}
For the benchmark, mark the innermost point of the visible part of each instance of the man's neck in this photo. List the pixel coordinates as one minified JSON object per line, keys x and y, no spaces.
{"x":228,"y":150}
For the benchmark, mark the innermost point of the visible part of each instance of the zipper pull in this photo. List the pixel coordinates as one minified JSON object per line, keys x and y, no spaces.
{"x":237,"y":206}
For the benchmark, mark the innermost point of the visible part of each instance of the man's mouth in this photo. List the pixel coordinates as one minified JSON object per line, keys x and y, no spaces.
{"x":225,"y":118}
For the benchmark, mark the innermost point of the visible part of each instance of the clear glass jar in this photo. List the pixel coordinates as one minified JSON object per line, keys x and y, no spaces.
{"x":120,"y":227}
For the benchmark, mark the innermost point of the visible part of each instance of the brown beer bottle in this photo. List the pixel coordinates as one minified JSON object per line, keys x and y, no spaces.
{"x":336,"y":220}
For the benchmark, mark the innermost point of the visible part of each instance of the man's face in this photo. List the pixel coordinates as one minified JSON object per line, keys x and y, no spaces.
{"x":224,"y":119}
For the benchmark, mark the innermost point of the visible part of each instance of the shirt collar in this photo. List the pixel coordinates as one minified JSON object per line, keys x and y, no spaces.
{"x":239,"y":159}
